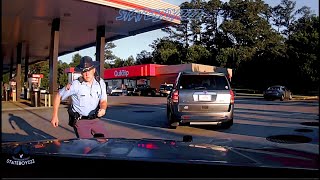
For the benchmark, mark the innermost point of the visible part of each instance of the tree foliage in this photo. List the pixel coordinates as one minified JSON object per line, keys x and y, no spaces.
{"x":129,"y":61}
{"x":75,"y":60}
{"x":303,"y":51}
{"x":144,"y":57}
{"x":168,"y":52}
{"x":264,"y":45}
{"x":62,"y":75}
{"x":108,"y":54}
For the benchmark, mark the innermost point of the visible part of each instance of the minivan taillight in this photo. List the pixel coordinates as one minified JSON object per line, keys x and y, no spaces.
{"x":175,"y":96}
{"x":231,"y":97}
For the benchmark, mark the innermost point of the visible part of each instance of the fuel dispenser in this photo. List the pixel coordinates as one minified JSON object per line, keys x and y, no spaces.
{"x":11,"y":90}
{"x":6,"y":91}
{"x":72,"y":75}
{"x":34,"y":87}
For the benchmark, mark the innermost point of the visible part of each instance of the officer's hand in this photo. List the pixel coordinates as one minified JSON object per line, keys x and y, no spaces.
{"x":55,"y":122}
{"x":101,"y":112}
{"x":68,"y":86}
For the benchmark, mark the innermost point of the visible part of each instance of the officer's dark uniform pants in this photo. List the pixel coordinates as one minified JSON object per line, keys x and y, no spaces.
{"x":87,"y":128}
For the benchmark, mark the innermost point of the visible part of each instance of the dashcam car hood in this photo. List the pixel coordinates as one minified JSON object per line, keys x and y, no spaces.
{"x":154,"y":150}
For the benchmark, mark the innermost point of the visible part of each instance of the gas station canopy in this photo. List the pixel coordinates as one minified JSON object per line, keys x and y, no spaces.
{"x":30,"y":22}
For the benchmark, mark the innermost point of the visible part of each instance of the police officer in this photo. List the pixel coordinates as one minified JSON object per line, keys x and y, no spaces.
{"x":89,"y":101}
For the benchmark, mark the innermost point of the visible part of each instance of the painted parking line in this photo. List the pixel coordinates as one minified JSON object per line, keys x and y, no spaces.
{"x":132,"y":124}
{"x":141,"y":106}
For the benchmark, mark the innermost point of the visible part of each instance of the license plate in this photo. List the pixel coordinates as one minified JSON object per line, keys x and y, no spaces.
{"x":204,"y":97}
{"x":205,"y":107}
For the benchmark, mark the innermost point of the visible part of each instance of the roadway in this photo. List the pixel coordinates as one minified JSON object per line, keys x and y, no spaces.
{"x":145,"y":117}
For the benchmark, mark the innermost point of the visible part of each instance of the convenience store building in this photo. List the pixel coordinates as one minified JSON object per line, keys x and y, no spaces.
{"x":154,"y":74}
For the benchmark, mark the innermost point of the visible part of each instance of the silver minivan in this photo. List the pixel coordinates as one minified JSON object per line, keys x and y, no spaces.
{"x":201,"y":98}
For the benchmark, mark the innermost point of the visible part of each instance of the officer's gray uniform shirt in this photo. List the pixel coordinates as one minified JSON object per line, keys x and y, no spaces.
{"x":85,"y":98}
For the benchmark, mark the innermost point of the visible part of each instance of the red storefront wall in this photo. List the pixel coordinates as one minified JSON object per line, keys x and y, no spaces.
{"x":152,"y":71}
{"x":144,"y":70}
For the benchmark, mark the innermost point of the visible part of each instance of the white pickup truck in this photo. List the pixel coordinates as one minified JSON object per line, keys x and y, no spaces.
{"x":117,"y":91}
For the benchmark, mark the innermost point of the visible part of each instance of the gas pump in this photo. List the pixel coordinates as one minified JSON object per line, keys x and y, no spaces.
{"x":6,"y":91}
{"x":73,"y":76}
{"x":12,"y":90}
{"x":26,"y":94}
{"x":34,"y":87}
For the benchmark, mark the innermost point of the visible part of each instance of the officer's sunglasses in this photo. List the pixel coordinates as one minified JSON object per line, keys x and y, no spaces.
{"x":87,"y":69}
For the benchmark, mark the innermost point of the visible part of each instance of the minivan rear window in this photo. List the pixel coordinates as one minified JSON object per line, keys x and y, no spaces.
{"x":209,"y":82}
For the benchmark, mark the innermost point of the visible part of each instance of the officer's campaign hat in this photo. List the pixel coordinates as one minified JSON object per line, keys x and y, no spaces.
{"x":86,"y":64}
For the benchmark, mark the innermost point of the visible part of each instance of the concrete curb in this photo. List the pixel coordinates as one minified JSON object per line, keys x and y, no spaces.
{"x":306,"y":97}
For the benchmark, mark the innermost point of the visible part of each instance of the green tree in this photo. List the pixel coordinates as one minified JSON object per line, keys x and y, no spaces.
{"x":196,"y":23}
{"x":108,"y":54}
{"x":144,"y":57}
{"x":284,"y":15}
{"x":198,"y":54}
{"x":41,"y":68}
{"x":303,"y":51}
{"x":62,"y":76}
{"x":5,"y":78}
{"x":45,"y":71}
{"x":211,"y":36}
{"x":107,"y":65}
{"x":129,"y":61}
{"x":246,"y":41}
{"x":181,"y":32}
{"x":109,"y":57}
{"x":35,"y":68}
{"x":249,"y":31}
{"x":167,"y":52}
{"x":118,"y":62}
{"x":75,"y":60}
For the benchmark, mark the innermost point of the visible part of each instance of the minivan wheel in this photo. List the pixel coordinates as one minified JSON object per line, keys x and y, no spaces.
{"x":170,"y":120}
{"x":227,"y":125}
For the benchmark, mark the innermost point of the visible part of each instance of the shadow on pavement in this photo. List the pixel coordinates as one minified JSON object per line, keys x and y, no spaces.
{"x":308,"y":103}
{"x":32,"y":133}
{"x":27,"y":103}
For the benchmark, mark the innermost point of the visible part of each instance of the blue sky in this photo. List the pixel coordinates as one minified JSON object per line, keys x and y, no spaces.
{"x":135,"y":44}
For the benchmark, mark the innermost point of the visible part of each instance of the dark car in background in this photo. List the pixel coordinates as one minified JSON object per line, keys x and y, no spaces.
{"x":130,"y":91}
{"x":201,"y":98}
{"x":144,"y":90}
{"x":165,"y":89}
{"x":277,"y":92}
